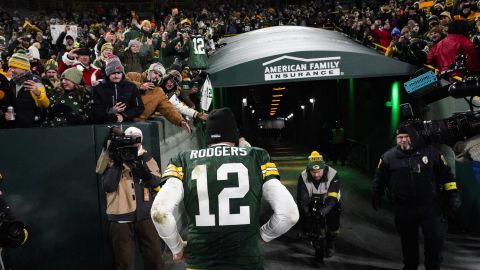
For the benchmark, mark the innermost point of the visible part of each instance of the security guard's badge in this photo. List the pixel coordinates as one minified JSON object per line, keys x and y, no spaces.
{"x":444,"y":160}
{"x":425,"y":160}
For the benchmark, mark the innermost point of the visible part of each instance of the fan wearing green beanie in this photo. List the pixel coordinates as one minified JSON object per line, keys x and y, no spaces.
{"x":70,"y":102}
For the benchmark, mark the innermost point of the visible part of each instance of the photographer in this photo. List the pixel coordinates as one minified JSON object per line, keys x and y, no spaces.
{"x":25,"y":93}
{"x":318,"y":179}
{"x":131,"y":181}
{"x":420,"y":183}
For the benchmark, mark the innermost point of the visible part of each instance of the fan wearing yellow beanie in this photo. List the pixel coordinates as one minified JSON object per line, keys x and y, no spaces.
{"x":27,"y":93}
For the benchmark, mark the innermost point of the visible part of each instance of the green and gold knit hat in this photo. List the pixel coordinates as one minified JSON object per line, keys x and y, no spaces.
{"x":315,"y":161}
{"x":19,"y":60}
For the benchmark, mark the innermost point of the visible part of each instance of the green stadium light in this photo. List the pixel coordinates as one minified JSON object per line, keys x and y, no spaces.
{"x":395,"y":104}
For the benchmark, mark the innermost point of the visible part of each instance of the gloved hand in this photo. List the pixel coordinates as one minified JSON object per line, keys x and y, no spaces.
{"x":452,"y":203}
{"x":375,"y":202}
{"x":140,"y":168}
{"x":117,"y":159}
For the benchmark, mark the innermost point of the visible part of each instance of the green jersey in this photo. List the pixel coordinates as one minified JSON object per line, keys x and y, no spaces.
{"x":197,"y":58}
{"x":222,"y":197}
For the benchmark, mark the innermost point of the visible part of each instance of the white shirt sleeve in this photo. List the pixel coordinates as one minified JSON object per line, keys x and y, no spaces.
{"x":181,"y":107}
{"x":284,"y":207}
{"x":166,"y":201}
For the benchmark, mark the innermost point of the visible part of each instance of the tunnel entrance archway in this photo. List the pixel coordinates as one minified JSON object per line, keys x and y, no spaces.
{"x":283,"y":54}
{"x":306,"y":58}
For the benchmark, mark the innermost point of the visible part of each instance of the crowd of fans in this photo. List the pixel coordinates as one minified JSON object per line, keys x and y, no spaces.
{"x":118,"y":66}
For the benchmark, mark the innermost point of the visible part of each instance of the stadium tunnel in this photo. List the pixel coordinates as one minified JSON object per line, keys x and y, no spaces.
{"x":294,"y":82}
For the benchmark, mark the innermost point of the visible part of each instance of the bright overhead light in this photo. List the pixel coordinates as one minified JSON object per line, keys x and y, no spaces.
{"x":253,"y":111}
{"x":244,"y":101}
{"x":274,"y":104}
{"x":275,"y":100}
{"x":312,"y":100}
{"x":277,"y":96}
{"x":278,"y":88}
{"x":302,"y":107}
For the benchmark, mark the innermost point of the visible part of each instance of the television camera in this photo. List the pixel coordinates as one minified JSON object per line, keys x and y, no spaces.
{"x":429,"y":87}
{"x":315,"y":227}
{"x":121,"y":147}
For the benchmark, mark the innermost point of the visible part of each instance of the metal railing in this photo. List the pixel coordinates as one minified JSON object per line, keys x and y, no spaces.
{"x":358,"y":154}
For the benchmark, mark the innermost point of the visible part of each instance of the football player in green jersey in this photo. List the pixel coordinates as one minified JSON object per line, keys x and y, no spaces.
{"x":221,"y":188}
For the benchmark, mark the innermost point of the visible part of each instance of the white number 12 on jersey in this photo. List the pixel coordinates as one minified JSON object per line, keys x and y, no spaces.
{"x":204,"y":218}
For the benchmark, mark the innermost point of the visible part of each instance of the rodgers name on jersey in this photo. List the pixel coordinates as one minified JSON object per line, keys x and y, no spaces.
{"x":224,"y":151}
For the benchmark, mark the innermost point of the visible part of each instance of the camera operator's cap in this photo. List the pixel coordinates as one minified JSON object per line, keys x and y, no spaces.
{"x":221,"y":127}
{"x":113,"y":65}
{"x":315,"y":161}
{"x":446,"y":14}
{"x":19,"y":60}
{"x":133,"y":131}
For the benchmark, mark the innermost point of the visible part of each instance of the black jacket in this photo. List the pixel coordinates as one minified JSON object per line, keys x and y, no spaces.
{"x":328,"y":187}
{"x":27,"y":113}
{"x":415,"y":177}
{"x":107,"y":94}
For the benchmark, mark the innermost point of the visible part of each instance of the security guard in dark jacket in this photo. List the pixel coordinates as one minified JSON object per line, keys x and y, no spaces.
{"x":420,"y":183}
